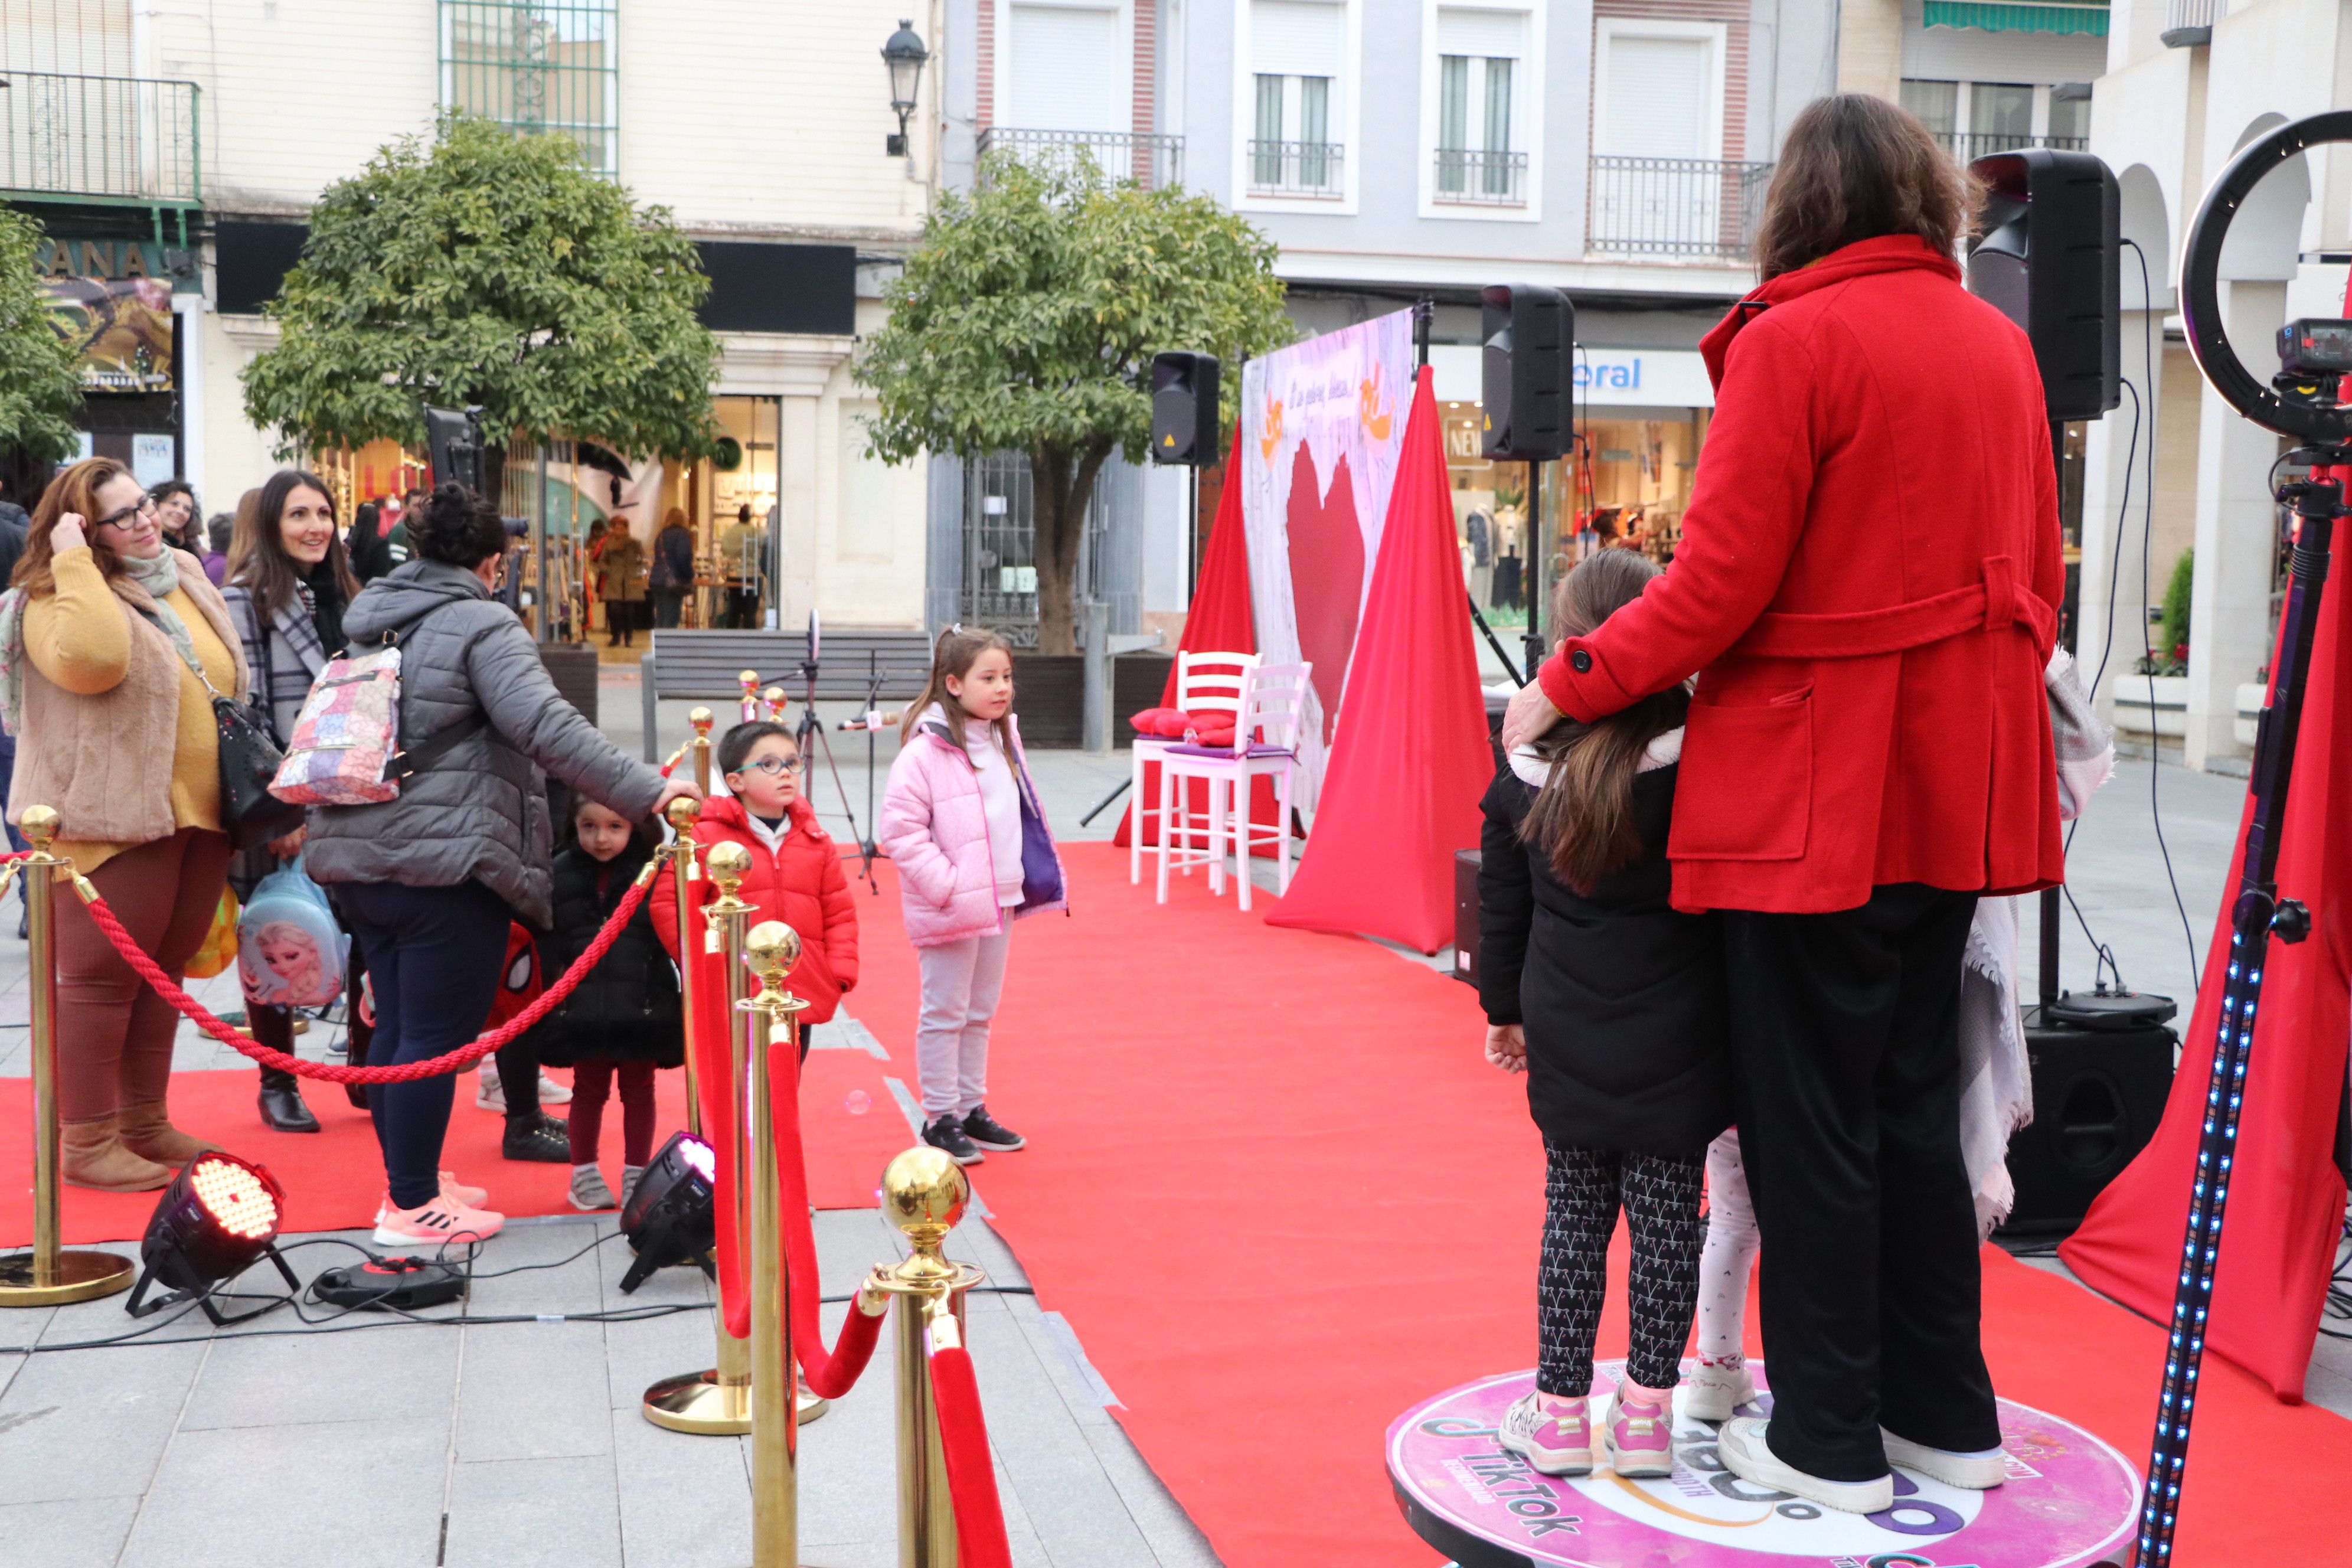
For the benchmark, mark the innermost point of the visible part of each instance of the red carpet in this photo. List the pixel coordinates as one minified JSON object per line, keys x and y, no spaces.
{"x":334,"y":1178}
{"x":1280,"y":1197}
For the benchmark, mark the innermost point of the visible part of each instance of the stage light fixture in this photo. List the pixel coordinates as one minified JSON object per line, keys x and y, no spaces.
{"x":217,"y":1218}
{"x":671,"y":1217}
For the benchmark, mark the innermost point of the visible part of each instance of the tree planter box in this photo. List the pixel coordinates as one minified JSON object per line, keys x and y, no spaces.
{"x":2166,"y":715}
{"x":572,"y":666}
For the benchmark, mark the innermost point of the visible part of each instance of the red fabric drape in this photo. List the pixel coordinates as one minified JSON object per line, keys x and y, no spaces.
{"x":1411,"y":759}
{"x":2286,"y":1199}
{"x":1218,"y":622}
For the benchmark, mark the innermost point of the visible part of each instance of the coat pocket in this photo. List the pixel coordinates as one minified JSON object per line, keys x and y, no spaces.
{"x":1746,"y":789}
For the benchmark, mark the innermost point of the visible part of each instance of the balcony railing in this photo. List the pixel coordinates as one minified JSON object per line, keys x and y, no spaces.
{"x":126,"y":140}
{"x":1155,"y":162}
{"x":1968,"y":149}
{"x":1475,"y":178}
{"x":1697,"y":209}
{"x":2188,"y":23}
{"x":1297,"y":168}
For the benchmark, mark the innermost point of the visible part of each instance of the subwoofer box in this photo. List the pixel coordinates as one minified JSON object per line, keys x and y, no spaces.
{"x":2098,"y":1097}
{"x":1466,"y":914}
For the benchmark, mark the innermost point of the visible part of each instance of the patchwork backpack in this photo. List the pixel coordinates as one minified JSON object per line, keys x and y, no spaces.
{"x":345,"y":749}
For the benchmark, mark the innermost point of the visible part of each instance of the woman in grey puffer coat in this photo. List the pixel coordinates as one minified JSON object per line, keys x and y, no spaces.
{"x":430,"y":880}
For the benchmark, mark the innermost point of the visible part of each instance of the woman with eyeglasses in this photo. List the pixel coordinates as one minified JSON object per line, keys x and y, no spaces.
{"x":288,"y":582}
{"x":432,"y":880}
{"x":107,"y":639}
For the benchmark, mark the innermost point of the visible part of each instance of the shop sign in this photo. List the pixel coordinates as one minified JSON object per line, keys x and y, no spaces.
{"x":57,"y":260}
{"x":1642,"y":378}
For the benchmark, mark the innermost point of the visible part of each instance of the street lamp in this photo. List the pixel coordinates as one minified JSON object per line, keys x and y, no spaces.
{"x":905,"y":55}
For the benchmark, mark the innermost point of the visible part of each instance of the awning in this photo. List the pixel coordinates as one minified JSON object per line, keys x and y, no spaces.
{"x":1991,"y":16}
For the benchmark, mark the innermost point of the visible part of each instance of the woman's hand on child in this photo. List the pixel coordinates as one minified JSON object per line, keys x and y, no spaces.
{"x":1530,"y":714}
{"x":1506,"y":1047}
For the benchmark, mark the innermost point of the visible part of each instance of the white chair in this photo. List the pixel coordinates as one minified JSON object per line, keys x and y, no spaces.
{"x":1272,"y":709}
{"x":1206,"y":682}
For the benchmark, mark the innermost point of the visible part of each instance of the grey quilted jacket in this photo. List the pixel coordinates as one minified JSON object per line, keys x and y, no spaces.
{"x":479,"y":812}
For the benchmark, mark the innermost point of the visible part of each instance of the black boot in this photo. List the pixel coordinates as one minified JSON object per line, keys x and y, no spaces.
{"x":282,"y":1110}
{"x":537,"y":1137}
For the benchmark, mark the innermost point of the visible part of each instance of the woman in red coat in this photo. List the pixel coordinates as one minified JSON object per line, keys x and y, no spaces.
{"x":1867,"y":590}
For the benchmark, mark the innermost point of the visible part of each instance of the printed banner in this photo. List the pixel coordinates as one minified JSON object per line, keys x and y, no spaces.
{"x":120,"y":329}
{"x":1323,"y":425}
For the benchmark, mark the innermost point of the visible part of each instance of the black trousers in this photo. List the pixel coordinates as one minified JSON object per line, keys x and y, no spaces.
{"x":1845,"y":1044}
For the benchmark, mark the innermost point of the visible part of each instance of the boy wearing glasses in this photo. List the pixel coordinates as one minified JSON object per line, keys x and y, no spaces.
{"x":795,"y":875}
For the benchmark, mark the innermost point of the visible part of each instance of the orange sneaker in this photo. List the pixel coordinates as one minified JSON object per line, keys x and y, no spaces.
{"x":441,"y":1223}
{"x":453,"y":1190}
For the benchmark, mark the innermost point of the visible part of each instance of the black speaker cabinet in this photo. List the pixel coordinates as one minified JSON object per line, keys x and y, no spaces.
{"x":1184,"y":428}
{"x":2098,"y":1097}
{"x":2052,"y":261}
{"x":1465,"y":915}
{"x":1528,"y":333}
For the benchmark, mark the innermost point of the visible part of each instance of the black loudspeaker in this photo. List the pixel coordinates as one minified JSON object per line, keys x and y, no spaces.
{"x":2098,"y":1097}
{"x":454,"y":441}
{"x":2052,"y":261}
{"x":1466,"y":914}
{"x":1184,"y":425}
{"x":1527,"y":334}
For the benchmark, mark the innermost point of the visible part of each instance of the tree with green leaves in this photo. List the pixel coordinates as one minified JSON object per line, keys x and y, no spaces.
{"x":486,"y":268}
{"x":40,"y":384}
{"x":1026,"y":321}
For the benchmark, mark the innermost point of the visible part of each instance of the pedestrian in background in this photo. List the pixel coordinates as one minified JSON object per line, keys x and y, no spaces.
{"x":371,"y":556}
{"x":671,"y":576}
{"x":219,"y":532}
{"x":739,"y":549}
{"x":176,"y":511}
{"x":620,"y":581}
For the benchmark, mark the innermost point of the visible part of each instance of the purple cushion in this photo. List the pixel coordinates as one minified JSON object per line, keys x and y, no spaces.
{"x":1226,"y":752}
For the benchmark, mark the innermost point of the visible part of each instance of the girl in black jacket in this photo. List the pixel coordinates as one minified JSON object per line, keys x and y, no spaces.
{"x":622,"y":1021}
{"x":1612,"y":1003}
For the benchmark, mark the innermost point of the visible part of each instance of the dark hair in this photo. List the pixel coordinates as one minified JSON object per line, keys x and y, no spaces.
{"x":176,"y":487}
{"x":366,"y":515}
{"x":458,"y":527}
{"x":1856,"y":167}
{"x":75,"y":489}
{"x":1583,"y":815}
{"x":219,"y":530}
{"x":736,"y":743}
{"x":256,"y":552}
{"x":644,"y":833}
{"x":954,"y":654}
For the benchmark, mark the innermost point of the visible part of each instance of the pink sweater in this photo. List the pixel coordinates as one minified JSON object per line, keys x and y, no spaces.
{"x":934,"y":828}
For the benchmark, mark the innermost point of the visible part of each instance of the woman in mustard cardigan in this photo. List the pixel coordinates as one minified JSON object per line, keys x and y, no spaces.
{"x":99,"y":638}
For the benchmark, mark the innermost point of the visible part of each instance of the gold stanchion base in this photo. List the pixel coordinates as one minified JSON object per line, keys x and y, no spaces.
{"x":82,"y":1277}
{"x":807,"y":1404}
{"x":698,"y":1403}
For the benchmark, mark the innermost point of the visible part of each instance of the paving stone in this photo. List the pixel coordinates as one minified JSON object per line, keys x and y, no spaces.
{"x":356,"y":1494}
{"x":534,"y":1513}
{"x":366,"y":1374}
{"x":533,"y":1391}
{"x":686,"y":1502}
{"x":85,"y":1533}
{"x":91,"y":1424}
{"x":541,"y":1267}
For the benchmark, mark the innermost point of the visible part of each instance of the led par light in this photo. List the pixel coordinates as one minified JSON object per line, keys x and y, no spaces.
{"x":671,"y":1219}
{"x":218,"y":1217}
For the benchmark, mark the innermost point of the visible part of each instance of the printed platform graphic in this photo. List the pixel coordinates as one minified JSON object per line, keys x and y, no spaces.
{"x":2069,"y":1502}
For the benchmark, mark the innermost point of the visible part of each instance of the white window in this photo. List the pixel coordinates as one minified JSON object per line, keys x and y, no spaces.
{"x":1064,"y":70}
{"x":1481,"y":154}
{"x":1659,"y":97}
{"x":1294,"y":148}
{"x":1660,"y":184}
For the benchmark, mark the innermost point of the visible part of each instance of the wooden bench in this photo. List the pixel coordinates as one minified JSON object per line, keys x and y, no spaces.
{"x":707,"y":666}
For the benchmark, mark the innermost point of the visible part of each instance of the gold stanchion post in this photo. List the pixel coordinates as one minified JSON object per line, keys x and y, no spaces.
{"x":49,"y":1276}
{"x":685,"y":872}
{"x":924,"y":1194}
{"x":702,"y":719}
{"x":773,"y":948}
{"x":717,"y":1401}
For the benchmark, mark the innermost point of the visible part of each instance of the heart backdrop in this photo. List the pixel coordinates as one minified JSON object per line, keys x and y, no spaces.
{"x":1326,"y":576}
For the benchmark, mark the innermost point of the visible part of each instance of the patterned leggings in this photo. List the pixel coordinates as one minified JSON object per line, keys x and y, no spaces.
{"x":1583,"y":1190}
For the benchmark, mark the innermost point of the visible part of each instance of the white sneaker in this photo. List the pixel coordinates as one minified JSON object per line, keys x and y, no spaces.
{"x":1714,"y":1390}
{"x":489,"y":1094}
{"x":1554,"y":1444}
{"x":1741,"y":1446}
{"x":1977,"y":1472}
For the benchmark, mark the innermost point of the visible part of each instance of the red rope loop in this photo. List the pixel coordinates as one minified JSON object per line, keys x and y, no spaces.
{"x":458,"y":1060}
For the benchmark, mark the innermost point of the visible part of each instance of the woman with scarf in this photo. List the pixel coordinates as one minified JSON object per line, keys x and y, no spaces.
{"x":288,"y":580}
{"x":107,"y":639}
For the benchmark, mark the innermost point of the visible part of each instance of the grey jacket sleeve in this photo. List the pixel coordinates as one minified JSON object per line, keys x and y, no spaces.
{"x":515,"y":691}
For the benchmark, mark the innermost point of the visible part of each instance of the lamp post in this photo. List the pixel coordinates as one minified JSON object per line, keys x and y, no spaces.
{"x":905,"y":56}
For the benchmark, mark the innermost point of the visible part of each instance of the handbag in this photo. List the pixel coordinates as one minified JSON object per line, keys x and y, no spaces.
{"x":250,"y":814}
{"x":346,"y":746}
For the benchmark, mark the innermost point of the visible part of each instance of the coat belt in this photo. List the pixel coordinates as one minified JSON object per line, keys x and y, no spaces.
{"x":1991,"y":605}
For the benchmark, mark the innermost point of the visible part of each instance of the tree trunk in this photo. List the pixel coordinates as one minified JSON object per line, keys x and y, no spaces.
{"x":1061,"y":481}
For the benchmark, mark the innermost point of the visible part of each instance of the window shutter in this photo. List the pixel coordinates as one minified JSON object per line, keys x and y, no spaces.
{"x":1066,"y":74}
{"x":1486,"y":35}
{"x":1657,"y":98}
{"x":1296,"y":37}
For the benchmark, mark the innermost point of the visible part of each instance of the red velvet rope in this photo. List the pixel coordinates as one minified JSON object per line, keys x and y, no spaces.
{"x":971,"y":1477}
{"x":835,"y":1372}
{"x":407,"y":1072}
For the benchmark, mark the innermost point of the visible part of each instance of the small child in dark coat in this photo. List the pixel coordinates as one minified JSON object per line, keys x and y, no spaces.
{"x":623,"y":1020}
{"x":1612,"y":1002}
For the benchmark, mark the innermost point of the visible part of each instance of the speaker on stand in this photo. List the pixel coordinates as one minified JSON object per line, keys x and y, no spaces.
{"x":1526,"y":334}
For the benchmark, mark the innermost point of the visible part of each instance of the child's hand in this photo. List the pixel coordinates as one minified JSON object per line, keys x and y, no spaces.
{"x":1506,"y":1047}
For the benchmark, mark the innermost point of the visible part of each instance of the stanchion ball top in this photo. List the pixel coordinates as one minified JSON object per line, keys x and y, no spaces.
{"x":924,"y":1193}
{"x":728,"y":864}
{"x":773,"y":948}
{"x":702,"y":719}
{"x":682,"y":812}
{"x":40,"y":824}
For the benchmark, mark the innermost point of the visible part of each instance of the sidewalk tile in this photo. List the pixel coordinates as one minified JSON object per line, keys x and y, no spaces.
{"x":86,"y":1532}
{"x":366,"y":1374}
{"x":100,"y":1421}
{"x":534,"y":1513}
{"x":533,"y":1391}
{"x":356,"y":1494}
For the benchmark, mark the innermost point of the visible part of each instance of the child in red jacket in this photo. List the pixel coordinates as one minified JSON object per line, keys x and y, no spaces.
{"x":795,"y":875}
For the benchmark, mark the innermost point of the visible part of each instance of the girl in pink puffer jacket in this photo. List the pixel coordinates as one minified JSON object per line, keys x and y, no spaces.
{"x":961,"y":823}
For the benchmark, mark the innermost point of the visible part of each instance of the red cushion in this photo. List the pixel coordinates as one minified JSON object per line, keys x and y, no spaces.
{"x":1222,"y":735}
{"x":1152,"y":722}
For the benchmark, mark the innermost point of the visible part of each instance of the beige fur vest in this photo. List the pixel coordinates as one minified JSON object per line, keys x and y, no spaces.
{"x":105,"y":762}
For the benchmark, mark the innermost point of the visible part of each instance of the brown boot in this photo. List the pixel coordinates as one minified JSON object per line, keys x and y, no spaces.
{"x":95,"y":1157}
{"x":147,"y":1131}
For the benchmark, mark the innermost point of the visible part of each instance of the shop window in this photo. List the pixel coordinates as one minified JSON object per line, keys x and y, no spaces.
{"x":540,"y":68}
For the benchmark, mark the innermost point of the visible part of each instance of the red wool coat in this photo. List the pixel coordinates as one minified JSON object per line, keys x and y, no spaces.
{"x":1867,"y":586}
{"x":802,"y":885}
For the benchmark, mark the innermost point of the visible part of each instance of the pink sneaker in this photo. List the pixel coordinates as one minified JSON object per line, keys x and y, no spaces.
{"x":436,"y":1225}
{"x":1640,"y":1438}
{"x":451,"y":1188}
{"x":1551,"y":1433}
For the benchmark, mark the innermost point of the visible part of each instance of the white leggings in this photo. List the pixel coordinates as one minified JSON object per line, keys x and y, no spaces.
{"x":962,"y":982}
{"x":1730,"y":1254}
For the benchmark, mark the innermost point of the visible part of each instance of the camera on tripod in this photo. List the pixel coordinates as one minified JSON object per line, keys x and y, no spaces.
{"x":2314,"y":358}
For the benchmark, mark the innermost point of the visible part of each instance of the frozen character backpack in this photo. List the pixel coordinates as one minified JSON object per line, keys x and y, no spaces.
{"x":291,"y":952}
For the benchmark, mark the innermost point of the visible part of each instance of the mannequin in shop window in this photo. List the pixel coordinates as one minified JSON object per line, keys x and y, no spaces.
{"x":1508,"y":575}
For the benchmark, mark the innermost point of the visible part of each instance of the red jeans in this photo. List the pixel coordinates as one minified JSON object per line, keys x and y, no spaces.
{"x":592,"y":1079}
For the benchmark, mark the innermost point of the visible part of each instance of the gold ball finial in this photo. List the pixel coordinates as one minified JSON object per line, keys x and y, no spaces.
{"x":728,"y":864}
{"x":702,"y":719}
{"x":40,"y":826}
{"x":773,"y":949}
{"x":749,"y":678}
{"x":925,"y":1194}
{"x":682,"y":812}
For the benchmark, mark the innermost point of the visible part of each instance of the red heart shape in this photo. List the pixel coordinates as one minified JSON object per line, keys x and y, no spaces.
{"x":1326,"y":576}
